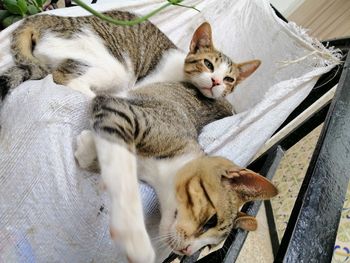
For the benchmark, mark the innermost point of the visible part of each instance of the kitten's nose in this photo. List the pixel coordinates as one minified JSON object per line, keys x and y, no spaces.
{"x":215,"y":81}
{"x":186,"y":250}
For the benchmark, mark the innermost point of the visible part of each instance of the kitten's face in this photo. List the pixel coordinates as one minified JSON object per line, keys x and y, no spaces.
{"x":209,"y":193}
{"x":211,"y":71}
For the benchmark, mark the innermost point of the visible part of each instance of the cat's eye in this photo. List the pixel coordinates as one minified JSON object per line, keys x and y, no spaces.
{"x":229,"y":79}
{"x":209,"y":65}
{"x":212,"y":222}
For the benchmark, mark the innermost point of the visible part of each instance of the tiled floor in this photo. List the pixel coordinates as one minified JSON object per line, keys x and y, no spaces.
{"x":288,"y":179}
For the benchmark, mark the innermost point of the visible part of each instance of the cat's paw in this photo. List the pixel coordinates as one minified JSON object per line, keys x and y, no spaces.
{"x":86,"y":154}
{"x":136,"y":243}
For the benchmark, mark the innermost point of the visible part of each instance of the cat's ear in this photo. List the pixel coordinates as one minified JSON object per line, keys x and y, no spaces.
{"x":201,"y":38}
{"x":245,"y":222}
{"x":248,"y":184}
{"x":247,"y":68}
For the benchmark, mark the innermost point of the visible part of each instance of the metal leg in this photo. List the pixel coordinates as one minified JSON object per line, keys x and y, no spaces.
{"x":275,"y":243}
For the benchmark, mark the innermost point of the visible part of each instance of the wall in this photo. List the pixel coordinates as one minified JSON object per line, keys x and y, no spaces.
{"x":286,"y":7}
{"x":325,"y":19}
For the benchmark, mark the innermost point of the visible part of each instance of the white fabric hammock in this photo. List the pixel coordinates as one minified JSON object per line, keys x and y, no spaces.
{"x":52,"y":211}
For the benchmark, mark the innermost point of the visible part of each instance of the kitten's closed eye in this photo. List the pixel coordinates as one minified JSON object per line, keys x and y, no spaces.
{"x":212,"y":222}
{"x":209,"y":65}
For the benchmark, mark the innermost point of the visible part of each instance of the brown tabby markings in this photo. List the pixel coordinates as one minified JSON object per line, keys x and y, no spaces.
{"x":194,"y":64}
{"x":214,"y":185}
{"x":222,"y":75}
{"x":162,"y":120}
{"x":119,"y":56}
{"x":119,"y":40}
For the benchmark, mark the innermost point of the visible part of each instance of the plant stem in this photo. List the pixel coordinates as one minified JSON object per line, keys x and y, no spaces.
{"x":130,"y":22}
{"x":121,"y":22}
{"x":188,"y":6}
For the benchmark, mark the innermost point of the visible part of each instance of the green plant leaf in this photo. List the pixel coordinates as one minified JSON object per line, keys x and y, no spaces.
{"x":12,"y":7}
{"x":32,"y":9}
{"x":22,"y":4}
{"x":40,"y":3}
{"x":4,"y":14}
{"x":10,"y":20}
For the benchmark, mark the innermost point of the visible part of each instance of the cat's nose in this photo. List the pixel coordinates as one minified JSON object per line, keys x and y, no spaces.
{"x":215,"y":81}
{"x":186,"y":250}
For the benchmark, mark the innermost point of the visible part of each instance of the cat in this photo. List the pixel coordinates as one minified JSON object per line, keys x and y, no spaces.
{"x":93,"y":56}
{"x":152,"y":132}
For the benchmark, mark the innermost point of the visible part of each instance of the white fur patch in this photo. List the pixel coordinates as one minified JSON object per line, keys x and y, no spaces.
{"x":203,"y":81}
{"x":221,"y":71}
{"x":159,"y":173}
{"x":118,"y":171}
{"x":218,"y":90}
{"x":169,"y":69}
{"x":104,"y":73}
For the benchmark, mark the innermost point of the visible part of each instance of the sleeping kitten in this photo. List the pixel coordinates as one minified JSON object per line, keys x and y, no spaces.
{"x":152,"y":132}
{"x":93,"y":56}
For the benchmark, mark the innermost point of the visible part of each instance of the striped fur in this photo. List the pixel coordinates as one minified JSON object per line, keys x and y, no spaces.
{"x":158,"y":125}
{"x":93,"y":56}
{"x":139,"y":47}
{"x":159,"y":120}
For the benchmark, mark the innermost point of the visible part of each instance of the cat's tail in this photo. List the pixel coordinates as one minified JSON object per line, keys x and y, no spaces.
{"x":27,"y":66}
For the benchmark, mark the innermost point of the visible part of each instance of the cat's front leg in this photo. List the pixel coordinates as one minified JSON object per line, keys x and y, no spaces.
{"x":119,"y":173}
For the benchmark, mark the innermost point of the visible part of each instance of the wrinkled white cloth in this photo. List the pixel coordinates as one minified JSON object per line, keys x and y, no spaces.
{"x":52,"y":211}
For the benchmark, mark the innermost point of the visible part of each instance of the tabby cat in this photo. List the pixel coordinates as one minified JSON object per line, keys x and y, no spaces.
{"x":93,"y":56}
{"x":152,"y":132}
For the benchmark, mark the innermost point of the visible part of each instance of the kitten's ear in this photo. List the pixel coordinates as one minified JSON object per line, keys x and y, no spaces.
{"x":247,"y":68}
{"x":248,"y":184}
{"x":246,"y":222}
{"x":201,"y":38}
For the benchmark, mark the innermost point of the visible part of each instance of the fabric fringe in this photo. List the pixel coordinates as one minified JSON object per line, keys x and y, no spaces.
{"x":323,"y":56}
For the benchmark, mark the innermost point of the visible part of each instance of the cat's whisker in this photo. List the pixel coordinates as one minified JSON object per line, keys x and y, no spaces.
{"x":162,"y":246}
{"x":164,"y":236}
{"x":161,"y":242}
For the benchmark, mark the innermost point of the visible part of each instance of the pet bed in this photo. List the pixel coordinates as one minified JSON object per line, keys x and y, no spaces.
{"x":51,"y":210}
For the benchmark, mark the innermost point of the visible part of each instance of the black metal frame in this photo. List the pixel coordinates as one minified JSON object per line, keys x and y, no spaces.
{"x":313,"y":224}
{"x":312,"y":228}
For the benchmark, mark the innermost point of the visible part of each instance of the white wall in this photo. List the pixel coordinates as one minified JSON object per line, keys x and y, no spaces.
{"x":286,"y":7}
